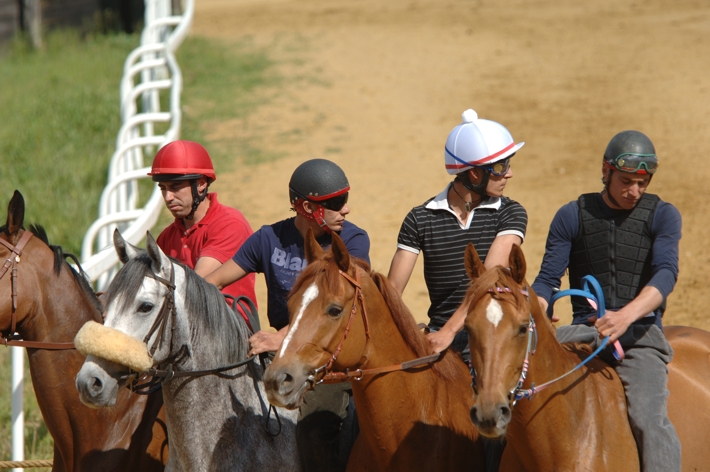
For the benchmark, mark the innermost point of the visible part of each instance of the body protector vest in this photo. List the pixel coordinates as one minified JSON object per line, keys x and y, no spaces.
{"x":616,"y":249}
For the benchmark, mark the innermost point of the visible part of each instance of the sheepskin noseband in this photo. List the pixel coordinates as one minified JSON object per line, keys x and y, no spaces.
{"x":113,"y":345}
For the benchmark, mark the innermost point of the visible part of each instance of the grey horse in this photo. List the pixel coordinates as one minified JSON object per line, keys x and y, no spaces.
{"x":216,"y":422}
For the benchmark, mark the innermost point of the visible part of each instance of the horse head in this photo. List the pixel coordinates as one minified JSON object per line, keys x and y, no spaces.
{"x":499,"y":323}
{"x":139,"y":315}
{"x":327,"y":328}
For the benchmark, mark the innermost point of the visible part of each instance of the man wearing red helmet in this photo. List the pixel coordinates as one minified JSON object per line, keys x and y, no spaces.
{"x":205,"y":233}
{"x":628,"y":240}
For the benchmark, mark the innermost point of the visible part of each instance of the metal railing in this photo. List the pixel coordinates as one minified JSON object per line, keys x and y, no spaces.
{"x":148,"y":70}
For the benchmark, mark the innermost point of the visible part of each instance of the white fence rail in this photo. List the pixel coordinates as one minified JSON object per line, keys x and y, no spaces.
{"x":148,"y":70}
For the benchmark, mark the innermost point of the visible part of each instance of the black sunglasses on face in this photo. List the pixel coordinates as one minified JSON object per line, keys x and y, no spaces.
{"x":335,"y":203}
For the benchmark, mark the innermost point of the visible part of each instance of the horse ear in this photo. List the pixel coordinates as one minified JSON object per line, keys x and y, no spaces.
{"x":160,"y":260}
{"x":517,"y":264}
{"x":312,"y":248}
{"x":474,"y":266}
{"x":340,"y":253}
{"x":15,"y":214}
{"x":125,"y":250}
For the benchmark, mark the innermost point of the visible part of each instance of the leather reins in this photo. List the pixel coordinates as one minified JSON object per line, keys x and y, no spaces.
{"x":12,"y":261}
{"x":329,"y":376}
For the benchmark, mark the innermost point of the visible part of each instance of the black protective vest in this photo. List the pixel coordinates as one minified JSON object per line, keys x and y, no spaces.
{"x":616,"y":249}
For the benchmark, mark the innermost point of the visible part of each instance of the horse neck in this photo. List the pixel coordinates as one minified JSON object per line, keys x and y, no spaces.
{"x":430,"y":399}
{"x":535,"y":439}
{"x":59,"y":309}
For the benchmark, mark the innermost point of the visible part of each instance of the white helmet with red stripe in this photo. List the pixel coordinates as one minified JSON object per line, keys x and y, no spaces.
{"x":477,"y":142}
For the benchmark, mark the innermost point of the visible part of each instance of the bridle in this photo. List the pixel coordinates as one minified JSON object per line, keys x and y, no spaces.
{"x":161,"y":376}
{"x":515,"y":394}
{"x":12,"y":261}
{"x":325,"y":374}
{"x":597,"y":301}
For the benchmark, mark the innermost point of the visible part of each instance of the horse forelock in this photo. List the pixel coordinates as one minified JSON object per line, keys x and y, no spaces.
{"x":496,"y":282}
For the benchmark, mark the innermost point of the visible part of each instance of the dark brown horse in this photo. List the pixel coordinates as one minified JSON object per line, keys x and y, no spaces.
{"x":413,"y":420}
{"x":578,"y":423}
{"x":52,"y":303}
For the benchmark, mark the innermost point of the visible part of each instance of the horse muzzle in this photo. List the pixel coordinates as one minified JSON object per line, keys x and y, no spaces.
{"x":491,"y":420}
{"x":96,"y":387}
{"x":285,"y":386}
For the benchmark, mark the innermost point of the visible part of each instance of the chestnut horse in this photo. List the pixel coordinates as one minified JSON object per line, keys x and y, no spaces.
{"x":578,"y":423}
{"x":52,"y":303}
{"x":409,"y":420}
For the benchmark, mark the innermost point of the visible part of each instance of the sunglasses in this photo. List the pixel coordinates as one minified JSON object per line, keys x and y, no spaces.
{"x":499,"y":168}
{"x":629,"y":162}
{"x":335,"y":203}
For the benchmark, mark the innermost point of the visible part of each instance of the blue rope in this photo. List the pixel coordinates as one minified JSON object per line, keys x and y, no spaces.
{"x":597,"y":296}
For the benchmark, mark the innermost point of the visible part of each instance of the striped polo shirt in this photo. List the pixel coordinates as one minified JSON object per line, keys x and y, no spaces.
{"x":434,"y":229}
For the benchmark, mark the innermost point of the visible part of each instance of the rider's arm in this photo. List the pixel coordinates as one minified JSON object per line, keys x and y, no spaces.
{"x":401,"y":269}
{"x":563,"y":231}
{"x":226,"y":274}
{"x":499,"y":252}
{"x":206,"y":265}
{"x":615,"y":323}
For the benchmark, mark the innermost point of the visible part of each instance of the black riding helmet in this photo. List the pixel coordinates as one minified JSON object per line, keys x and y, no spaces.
{"x":319,"y":181}
{"x":631,"y":151}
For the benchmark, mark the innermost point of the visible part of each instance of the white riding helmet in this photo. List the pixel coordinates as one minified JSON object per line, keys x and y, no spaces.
{"x":477,"y":142}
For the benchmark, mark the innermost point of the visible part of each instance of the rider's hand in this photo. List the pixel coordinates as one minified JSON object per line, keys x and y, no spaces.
{"x":265,"y":341}
{"x":614,"y":324}
{"x":544,"y":305}
{"x":439,"y":340}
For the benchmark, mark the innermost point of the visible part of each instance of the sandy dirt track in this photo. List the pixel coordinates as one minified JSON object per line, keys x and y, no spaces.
{"x":387,"y":80}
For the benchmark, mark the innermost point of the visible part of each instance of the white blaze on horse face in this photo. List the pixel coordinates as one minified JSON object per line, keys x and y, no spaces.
{"x":308,"y":296}
{"x":494,"y":312}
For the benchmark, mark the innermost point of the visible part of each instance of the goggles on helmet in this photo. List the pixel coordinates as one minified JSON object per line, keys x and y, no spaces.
{"x":631,"y":162}
{"x":499,"y":168}
{"x":335,"y":203}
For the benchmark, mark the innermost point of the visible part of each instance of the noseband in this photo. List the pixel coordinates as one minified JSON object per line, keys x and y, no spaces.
{"x":13,"y":259}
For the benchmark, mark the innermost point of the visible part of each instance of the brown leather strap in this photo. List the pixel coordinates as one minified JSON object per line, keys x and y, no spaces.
{"x":38,"y":344}
{"x":337,"y":377}
{"x":11,"y":261}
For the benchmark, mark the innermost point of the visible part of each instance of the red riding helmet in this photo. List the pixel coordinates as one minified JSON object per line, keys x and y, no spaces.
{"x":182,"y":160}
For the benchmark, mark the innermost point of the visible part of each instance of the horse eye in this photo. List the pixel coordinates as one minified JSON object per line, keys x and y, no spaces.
{"x":335,"y":311}
{"x":523,"y":329}
{"x":145,"y":307}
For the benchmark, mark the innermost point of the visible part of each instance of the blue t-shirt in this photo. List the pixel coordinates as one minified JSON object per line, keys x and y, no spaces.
{"x":277,"y":251}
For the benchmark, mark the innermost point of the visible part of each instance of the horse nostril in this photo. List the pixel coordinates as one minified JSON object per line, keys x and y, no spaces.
{"x":505,"y":414}
{"x":96,"y":387}
{"x":287,"y":380}
{"x":474,"y":415}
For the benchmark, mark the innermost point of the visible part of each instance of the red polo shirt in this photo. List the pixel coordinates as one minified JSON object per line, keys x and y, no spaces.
{"x":219,"y":234}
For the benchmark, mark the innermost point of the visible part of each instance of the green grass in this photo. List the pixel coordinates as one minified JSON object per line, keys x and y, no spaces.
{"x":60,"y":115}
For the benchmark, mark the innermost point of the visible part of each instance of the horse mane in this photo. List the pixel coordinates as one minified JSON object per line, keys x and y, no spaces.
{"x":446,"y":368}
{"x":489,"y":283}
{"x":60,"y":261}
{"x":207,"y":310}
